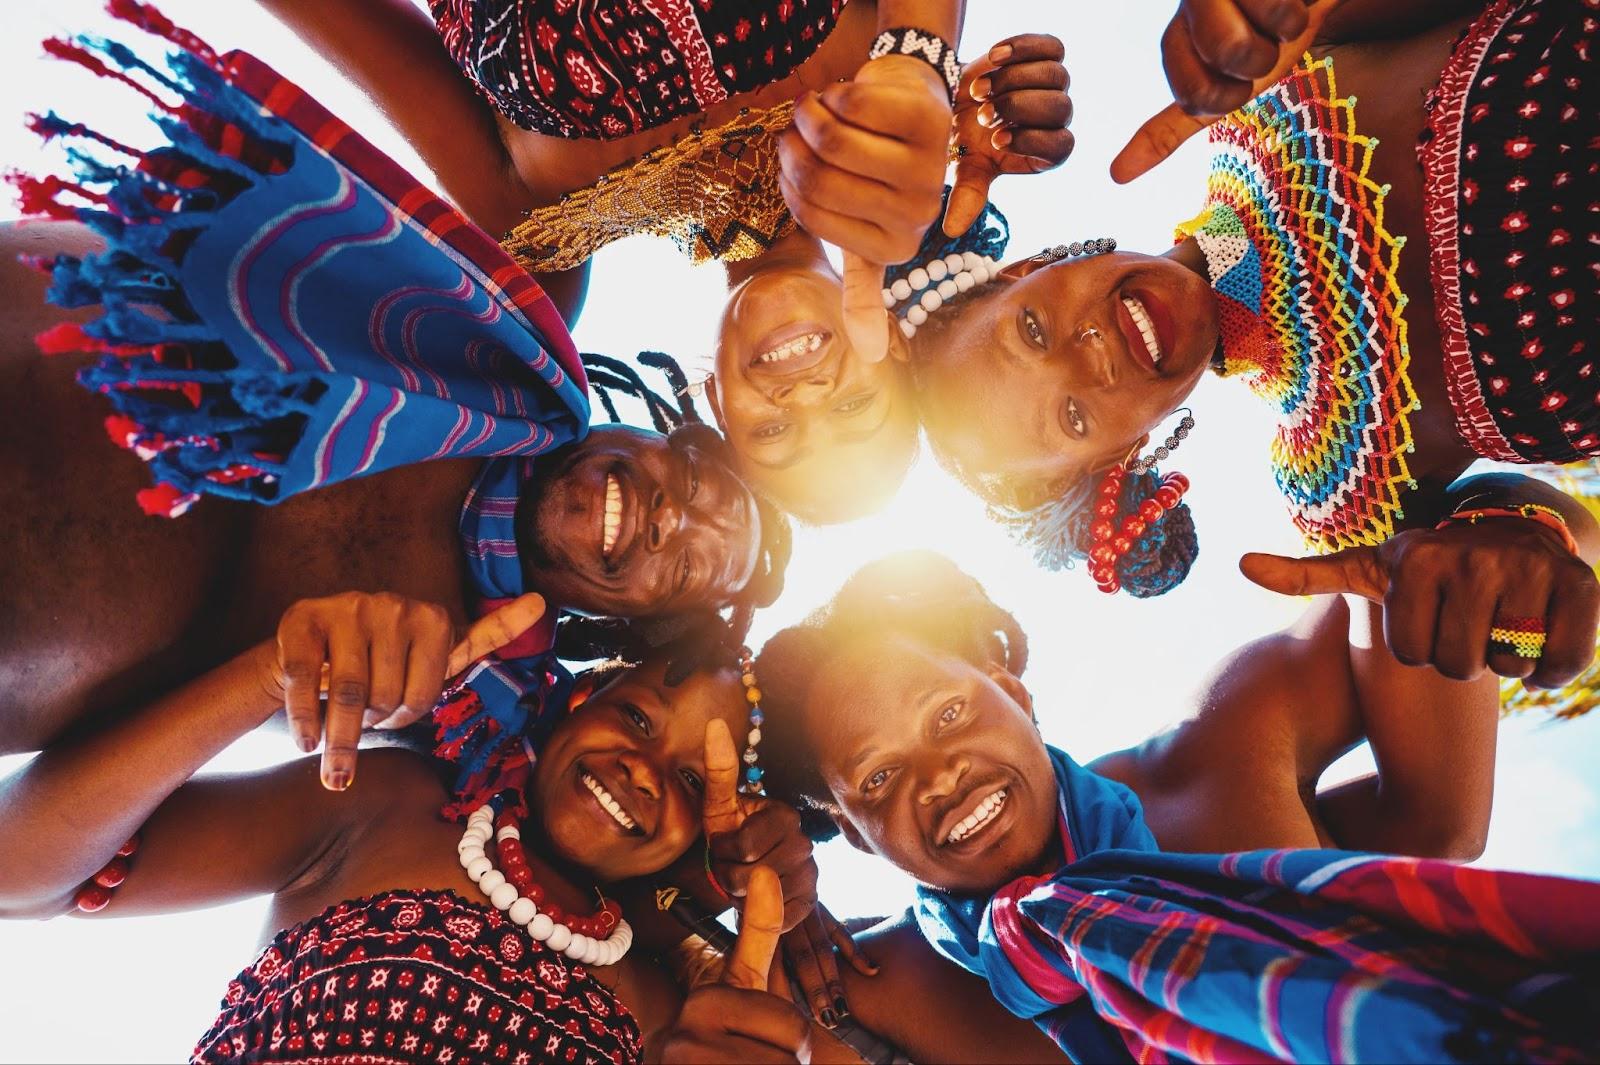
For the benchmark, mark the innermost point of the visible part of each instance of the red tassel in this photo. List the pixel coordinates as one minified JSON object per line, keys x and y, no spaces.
{"x":147,"y":18}
{"x":165,"y":501}
{"x":238,"y":471}
{"x":66,"y":338}
{"x":38,"y":198}
{"x":73,"y":53}
{"x":124,"y":431}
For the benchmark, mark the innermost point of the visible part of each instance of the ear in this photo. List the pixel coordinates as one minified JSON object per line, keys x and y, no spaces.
{"x":1012,"y":686}
{"x":849,"y":831}
{"x":899,"y":346}
{"x":714,"y":401}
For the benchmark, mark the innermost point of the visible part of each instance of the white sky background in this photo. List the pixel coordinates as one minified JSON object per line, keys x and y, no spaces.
{"x":1105,"y":672}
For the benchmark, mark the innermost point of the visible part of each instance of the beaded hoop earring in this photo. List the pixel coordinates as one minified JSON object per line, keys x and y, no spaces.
{"x":751,"y":784}
{"x":1108,"y":543}
{"x":1167,"y":447}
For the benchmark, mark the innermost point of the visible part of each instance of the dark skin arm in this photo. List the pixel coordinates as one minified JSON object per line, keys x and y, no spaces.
{"x":391,"y":50}
{"x":1242,"y":772}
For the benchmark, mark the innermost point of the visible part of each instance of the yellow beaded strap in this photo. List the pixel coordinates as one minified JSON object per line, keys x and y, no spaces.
{"x":713,"y":193}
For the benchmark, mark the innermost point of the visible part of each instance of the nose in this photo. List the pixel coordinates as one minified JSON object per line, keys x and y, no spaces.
{"x":804,"y":391}
{"x":941,"y":779}
{"x":641,"y":775}
{"x":666,"y":517}
{"x":1090,"y":357}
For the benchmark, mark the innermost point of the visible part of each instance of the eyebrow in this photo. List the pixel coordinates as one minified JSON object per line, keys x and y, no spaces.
{"x":859,"y":436}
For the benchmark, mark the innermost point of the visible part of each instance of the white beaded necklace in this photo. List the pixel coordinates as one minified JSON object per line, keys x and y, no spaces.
{"x":503,"y":895}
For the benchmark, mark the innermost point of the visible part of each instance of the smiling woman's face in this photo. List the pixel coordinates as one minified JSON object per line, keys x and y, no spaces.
{"x":933,"y":763}
{"x":826,"y":435}
{"x":1059,"y":372}
{"x":619,"y":787}
{"x":633,"y":523}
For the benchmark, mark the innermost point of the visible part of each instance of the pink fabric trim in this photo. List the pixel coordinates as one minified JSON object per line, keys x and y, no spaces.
{"x":1440,"y":158}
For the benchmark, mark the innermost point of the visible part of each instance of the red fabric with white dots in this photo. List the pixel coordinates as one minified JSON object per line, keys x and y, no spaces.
{"x":1511,"y":161}
{"x":411,"y":976}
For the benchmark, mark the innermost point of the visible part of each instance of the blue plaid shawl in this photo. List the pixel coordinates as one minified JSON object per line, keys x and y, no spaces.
{"x":1307,"y":955}
{"x":284,"y":307}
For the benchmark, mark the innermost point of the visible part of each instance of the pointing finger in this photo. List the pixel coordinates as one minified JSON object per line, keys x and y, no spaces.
{"x":866,"y":322}
{"x":1355,"y":570}
{"x":495,"y":630}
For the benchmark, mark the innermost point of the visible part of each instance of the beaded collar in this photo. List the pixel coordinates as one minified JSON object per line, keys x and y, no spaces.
{"x":1310,"y":308}
{"x":714,"y":193}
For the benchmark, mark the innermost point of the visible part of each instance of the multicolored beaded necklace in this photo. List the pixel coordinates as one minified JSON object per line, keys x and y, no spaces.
{"x":1311,"y":310}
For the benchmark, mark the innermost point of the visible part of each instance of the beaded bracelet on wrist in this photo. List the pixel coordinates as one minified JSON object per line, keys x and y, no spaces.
{"x":920,"y":44}
{"x":1549,"y":517}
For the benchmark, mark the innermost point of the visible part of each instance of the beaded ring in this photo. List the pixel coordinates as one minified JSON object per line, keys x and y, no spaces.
{"x":1180,"y":434}
{"x":1520,"y":636}
{"x":751,"y":784}
{"x":1108,"y":543}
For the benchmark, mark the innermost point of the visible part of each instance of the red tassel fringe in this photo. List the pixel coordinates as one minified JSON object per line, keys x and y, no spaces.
{"x":72,"y":53}
{"x":147,"y":18}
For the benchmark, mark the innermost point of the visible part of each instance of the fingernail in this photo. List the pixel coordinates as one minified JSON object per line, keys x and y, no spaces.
{"x":986,"y":115}
{"x":1000,"y":53}
{"x":306,"y":741}
{"x":371,"y":718}
{"x":390,"y":721}
{"x":337,"y":779}
{"x":828,"y":1019}
{"x":981,"y":89}
{"x":1001,"y":139}
{"x":841,"y":1005}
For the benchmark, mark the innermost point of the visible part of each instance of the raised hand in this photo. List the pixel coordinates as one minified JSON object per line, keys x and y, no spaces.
{"x":812,"y":950}
{"x":1011,"y":117}
{"x":738,"y":1020}
{"x":1218,"y":55}
{"x":746,"y":833}
{"x":1443,"y":590}
{"x":380,"y":659}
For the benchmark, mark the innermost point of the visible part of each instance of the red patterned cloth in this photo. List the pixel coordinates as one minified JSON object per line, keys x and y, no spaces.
{"x":1511,"y":157}
{"x":604,"y":69}
{"x":409,"y":976}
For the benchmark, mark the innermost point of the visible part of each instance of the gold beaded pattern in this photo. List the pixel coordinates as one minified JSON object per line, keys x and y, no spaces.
{"x":714,"y":193}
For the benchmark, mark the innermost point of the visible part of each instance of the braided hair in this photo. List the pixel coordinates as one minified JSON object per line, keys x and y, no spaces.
{"x":706,"y":636}
{"x":921,"y":595}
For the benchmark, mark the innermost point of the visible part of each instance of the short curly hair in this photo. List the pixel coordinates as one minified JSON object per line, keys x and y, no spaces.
{"x":921,"y":595}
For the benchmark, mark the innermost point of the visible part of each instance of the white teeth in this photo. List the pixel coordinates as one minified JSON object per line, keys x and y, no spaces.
{"x":613,"y":517}
{"x":608,"y":803}
{"x":1147,"y":330}
{"x":986,"y":811}
{"x":804,"y":344}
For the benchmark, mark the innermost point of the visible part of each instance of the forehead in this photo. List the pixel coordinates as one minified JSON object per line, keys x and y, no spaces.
{"x":872,"y":686}
{"x":704,"y":694}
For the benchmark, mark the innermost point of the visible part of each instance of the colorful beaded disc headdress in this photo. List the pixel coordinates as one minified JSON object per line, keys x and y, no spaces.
{"x":1311,"y":311}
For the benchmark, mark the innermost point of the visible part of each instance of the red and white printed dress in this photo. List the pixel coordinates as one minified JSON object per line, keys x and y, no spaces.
{"x":410,"y":976}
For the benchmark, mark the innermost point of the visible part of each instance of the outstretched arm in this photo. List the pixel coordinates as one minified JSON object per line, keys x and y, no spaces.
{"x":1242,"y":772}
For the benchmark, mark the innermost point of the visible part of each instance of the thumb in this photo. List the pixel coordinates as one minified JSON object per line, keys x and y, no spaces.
{"x":760,"y":926}
{"x":495,"y":630}
{"x":722,"y":812}
{"x":866,"y":322}
{"x":1151,"y":143}
{"x":1355,"y":569}
{"x":968,"y":195}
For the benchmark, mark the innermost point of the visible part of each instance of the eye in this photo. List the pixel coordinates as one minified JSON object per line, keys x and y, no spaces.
{"x":692,"y":474}
{"x":856,"y":404}
{"x":950,"y":713}
{"x":692,"y":781}
{"x":1032,"y":329}
{"x":769,"y":431}
{"x":875,"y":781}
{"x":1075,"y":418}
{"x":636,"y":716}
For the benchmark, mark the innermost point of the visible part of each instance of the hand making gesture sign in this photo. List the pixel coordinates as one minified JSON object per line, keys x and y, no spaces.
{"x":380,"y":659}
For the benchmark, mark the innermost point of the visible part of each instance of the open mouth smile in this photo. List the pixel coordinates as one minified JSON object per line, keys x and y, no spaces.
{"x":609,"y":804}
{"x":1143,"y":342}
{"x":792,"y":349}
{"x":612,"y":524}
{"x":984,"y":814}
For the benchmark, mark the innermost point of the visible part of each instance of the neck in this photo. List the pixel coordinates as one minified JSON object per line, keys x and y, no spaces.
{"x":1189,"y":254}
{"x":798,"y":248}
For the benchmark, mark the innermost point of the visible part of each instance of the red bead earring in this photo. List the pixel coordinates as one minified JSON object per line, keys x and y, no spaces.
{"x":1107,"y":543}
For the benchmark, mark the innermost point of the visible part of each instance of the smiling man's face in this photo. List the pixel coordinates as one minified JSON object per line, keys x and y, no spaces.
{"x":635,"y":524}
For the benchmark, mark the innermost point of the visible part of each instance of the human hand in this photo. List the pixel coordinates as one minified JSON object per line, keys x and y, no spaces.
{"x":745,"y":833}
{"x":738,"y":1020}
{"x":812,"y":949}
{"x":1443,"y":589}
{"x":380,"y":659}
{"x":1218,"y":55}
{"x":862,"y":168}
{"x":1011,"y":117}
